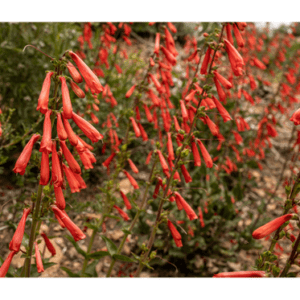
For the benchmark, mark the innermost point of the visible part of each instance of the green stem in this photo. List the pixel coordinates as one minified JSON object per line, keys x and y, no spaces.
{"x":35,"y":217}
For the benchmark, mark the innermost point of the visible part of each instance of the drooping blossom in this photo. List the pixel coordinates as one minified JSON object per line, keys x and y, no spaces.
{"x":271,"y":226}
{"x":74,"y":73}
{"x":240,"y":274}
{"x":5,"y":266}
{"x":44,"y":95}
{"x":89,"y":130}
{"x":46,"y":143}
{"x":130,"y":91}
{"x":61,"y":132}
{"x":59,"y":197}
{"x":77,"y":90}
{"x":73,"y":228}
{"x":126,"y":201}
{"x":45,"y":169}
{"x":72,"y":137}
{"x":24,"y":157}
{"x":236,"y":61}
{"x":175,"y":234}
{"x":296,"y":117}
{"x":73,"y":183}
{"x":73,"y":164}
{"x":122,"y":213}
{"x":38,"y":258}
{"x":205,"y":154}
{"x":189,"y":211}
{"x":57,"y":178}
{"x":133,"y":166}
{"x":90,"y":78}
{"x":48,"y":243}
{"x":131,"y":179}
{"x":66,"y":101}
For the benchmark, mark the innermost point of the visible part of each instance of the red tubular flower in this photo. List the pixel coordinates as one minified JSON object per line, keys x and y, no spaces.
{"x":169,"y":56}
{"x":57,"y":179}
{"x":148,"y":158}
{"x":73,"y":229}
{"x":130,"y":91}
{"x":119,"y":70}
{"x":46,"y":142}
{"x":268,"y":228}
{"x":38,"y":258}
{"x":16,"y":241}
{"x":205,"y":62}
{"x":158,"y":86}
{"x":45,"y":169}
{"x":135,"y":127}
{"x":170,"y":147}
{"x":89,"y":130}
{"x":197,"y":158}
{"x":238,"y":138}
{"x":59,"y":197}
{"x":228,"y":33}
{"x":214,"y":129}
{"x":223,"y":112}
{"x":24,"y":157}
{"x":185,"y":173}
{"x":133,"y":166}
{"x":94,"y":118}
{"x":48,"y":243}
{"x":259,"y":64}
{"x":44,"y":95}
{"x":221,"y":93}
{"x":132,"y":180}
{"x":172,"y":27}
{"x":108,"y":160}
{"x":74,"y":166}
{"x":184,"y":113}
{"x":143,"y":132}
{"x":148,"y":113}
{"x":189,"y":211}
{"x":74,"y":73}
{"x":241,"y":25}
{"x":236,"y":61}
{"x":73,"y":183}
{"x":176,"y":124}
{"x":85,"y":144}
{"x":296,"y":117}
{"x":225,"y":83}
{"x":87,"y":159}
{"x":201,"y":217}
{"x":77,"y":90}
{"x":238,"y":36}
{"x":126,"y":201}
{"x":205,"y":154}
{"x":163,"y":162}
{"x":90,"y":78}
{"x":5,"y":266}
{"x":240,"y":274}
{"x":67,"y":105}
{"x":248,"y":97}
{"x":156,"y":46}
{"x":175,"y":234}
{"x":81,"y":182}
{"x":61,"y":132}
{"x":72,"y":137}
{"x":156,"y":190}
{"x":122,"y":213}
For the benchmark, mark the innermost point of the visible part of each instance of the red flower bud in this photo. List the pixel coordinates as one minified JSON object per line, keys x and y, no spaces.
{"x":189,"y":211}
{"x":77,"y":90}
{"x":259,"y":64}
{"x":44,"y":95}
{"x":238,"y":36}
{"x":126,"y":201}
{"x":48,"y":243}
{"x":148,"y":158}
{"x":197,"y":158}
{"x":24,"y":157}
{"x":108,"y":160}
{"x":90,"y":78}
{"x":89,"y":130}
{"x":156,"y":46}
{"x":16,"y":241}
{"x":73,"y":229}
{"x":132,"y":180}
{"x":236,"y":61}
{"x":184,"y":113}
{"x":205,"y":62}
{"x":46,"y":143}
{"x":228,"y":33}
{"x":133,"y":166}
{"x":143,"y":132}
{"x":5,"y":266}
{"x":170,"y":147}
{"x":163,"y":162}
{"x":74,"y":166}
{"x":169,"y":56}
{"x":130,"y":91}
{"x":72,"y":137}
{"x":135,"y":127}
{"x":57,"y":179}
{"x":45,"y":169}
{"x":241,"y":274}
{"x":74,"y":73}
{"x":61,"y":132}
{"x":205,"y":154}
{"x":80,"y":180}
{"x":175,"y":234}
{"x":67,"y":105}
{"x":223,"y":112}
{"x":122,"y":213}
{"x":73,"y":183}
{"x":225,"y":83}
{"x":185,"y":173}
{"x":268,"y":228}
{"x":38,"y":258}
{"x":59,"y":197}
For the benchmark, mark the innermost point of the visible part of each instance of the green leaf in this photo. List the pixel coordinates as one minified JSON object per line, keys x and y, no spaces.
{"x":123,"y":258}
{"x":97,"y":255}
{"x":126,"y":231}
{"x":78,"y":249}
{"x":111,"y":247}
{"x":69,"y":272}
{"x":91,"y":269}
